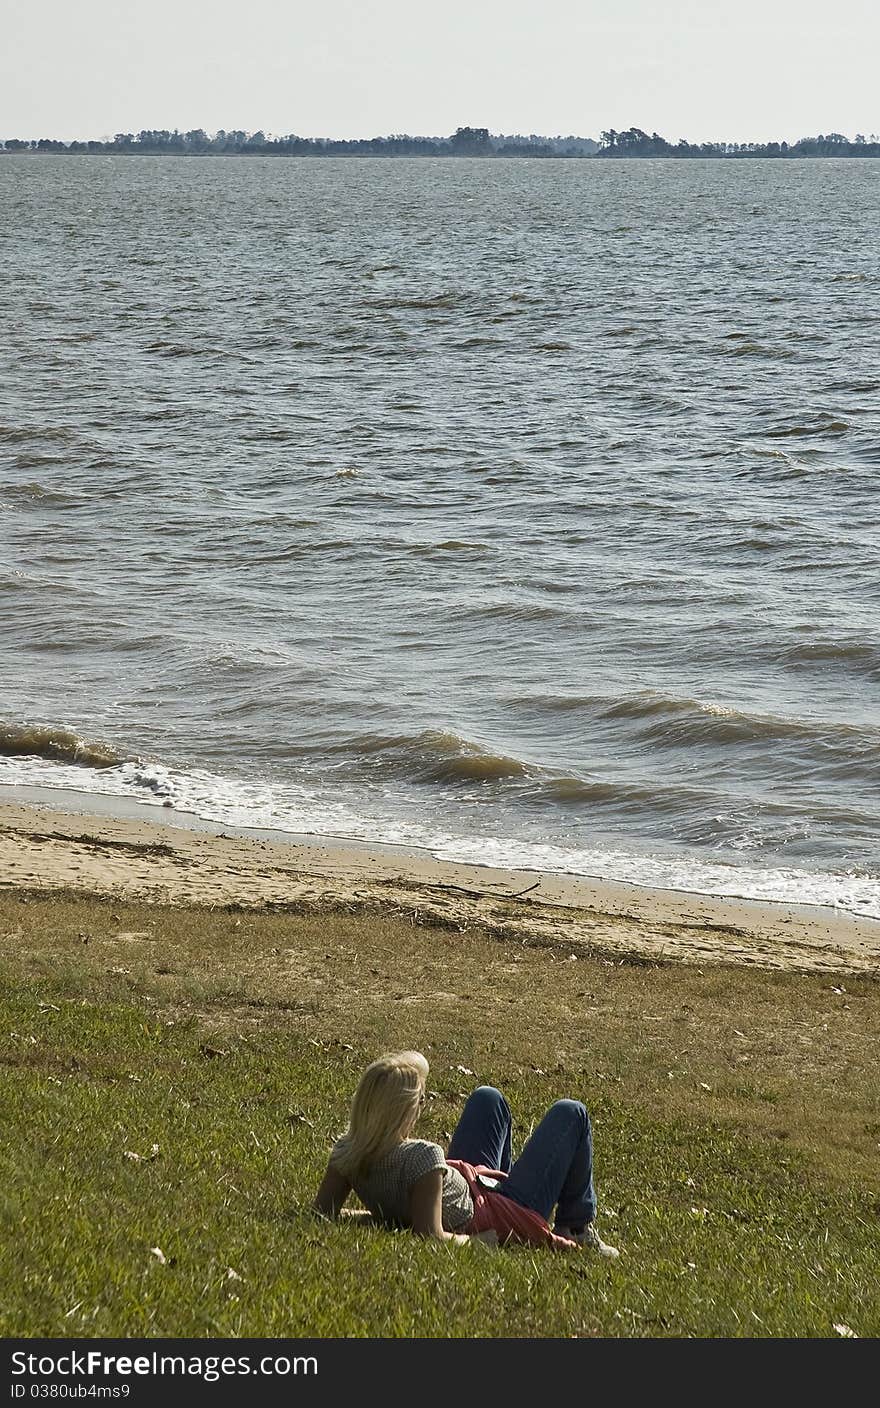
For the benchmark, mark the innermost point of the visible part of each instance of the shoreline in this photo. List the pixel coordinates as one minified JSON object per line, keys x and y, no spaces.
{"x":69,"y":798}
{"x":119,"y":852}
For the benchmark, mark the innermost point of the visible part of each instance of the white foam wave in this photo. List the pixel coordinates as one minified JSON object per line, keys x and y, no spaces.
{"x":371,"y":817}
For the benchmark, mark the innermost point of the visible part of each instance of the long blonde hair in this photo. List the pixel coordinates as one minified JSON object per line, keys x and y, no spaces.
{"x":385,"y":1107}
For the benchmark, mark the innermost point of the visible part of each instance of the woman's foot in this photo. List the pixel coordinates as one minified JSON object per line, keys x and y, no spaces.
{"x":588,"y":1238}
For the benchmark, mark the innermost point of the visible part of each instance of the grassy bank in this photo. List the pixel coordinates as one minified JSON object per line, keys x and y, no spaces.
{"x":171,"y":1080}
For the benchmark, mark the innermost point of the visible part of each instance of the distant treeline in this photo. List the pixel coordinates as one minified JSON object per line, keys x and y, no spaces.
{"x":465,"y":141}
{"x":635,"y":142}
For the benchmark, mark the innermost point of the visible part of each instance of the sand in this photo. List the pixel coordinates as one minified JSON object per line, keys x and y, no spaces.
{"x":138,"y":858}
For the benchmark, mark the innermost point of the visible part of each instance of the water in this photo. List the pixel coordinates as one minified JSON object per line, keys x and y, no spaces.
{"x":521,"y":510}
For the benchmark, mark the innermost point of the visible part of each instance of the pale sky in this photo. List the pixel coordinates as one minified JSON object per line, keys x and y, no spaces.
{"x":752,"y":71}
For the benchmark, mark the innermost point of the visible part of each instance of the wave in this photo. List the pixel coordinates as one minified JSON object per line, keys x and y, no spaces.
{"x":436,"y":756}
{"x":473,"y":342}
{"x":176,"y":349}
{"x":281,"y":435}
{"x":857,"y":386}
{"x":518,"y":612}
{"x":820,"y":425}
{"x":860,"y":657}
{"x":560,"y":703}
{"x":473,"y":767}
{"x":570,"y":791}
{"x":20,"y":434}
{"x":454,"y":545}
{"x":57,"y":745}
{"x":439,"y":300}
{"x":757,"y":349}
{"x":445,"y":759}
{"x":34,"y":493}
{"x":678,"y":721}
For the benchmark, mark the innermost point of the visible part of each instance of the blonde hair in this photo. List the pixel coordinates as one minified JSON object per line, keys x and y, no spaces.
{"x":385,"y":1107}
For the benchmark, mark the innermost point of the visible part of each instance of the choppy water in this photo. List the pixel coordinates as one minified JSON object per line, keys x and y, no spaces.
{"x":522,"y":510}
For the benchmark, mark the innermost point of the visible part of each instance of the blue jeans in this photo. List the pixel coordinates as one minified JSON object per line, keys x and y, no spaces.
{"x":554,"y":1170}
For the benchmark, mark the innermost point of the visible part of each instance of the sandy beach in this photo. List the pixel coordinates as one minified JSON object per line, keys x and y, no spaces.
{"x":133,"y":857}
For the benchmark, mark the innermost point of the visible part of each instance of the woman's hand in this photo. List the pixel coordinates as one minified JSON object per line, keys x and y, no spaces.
{"x":489,"y":1237}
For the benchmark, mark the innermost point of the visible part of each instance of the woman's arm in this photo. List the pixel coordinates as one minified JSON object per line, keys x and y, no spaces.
{"x":426,"y":1208}
{"x":332,"y":1193}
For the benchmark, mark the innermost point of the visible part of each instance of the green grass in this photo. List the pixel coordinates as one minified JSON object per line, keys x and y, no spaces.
{"x":722,"y":1234}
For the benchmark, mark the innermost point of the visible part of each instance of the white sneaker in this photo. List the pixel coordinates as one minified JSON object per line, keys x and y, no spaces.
{"x":590,"y":1240}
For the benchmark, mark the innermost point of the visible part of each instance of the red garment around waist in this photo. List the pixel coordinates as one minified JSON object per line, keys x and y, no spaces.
{"x":512,"y":1221}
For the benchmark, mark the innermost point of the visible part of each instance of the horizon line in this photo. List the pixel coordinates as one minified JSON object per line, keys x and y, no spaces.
{"x":483,"y":132}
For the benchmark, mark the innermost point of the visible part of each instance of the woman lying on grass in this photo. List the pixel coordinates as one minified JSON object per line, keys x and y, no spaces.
{"x":474,"y":1190}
